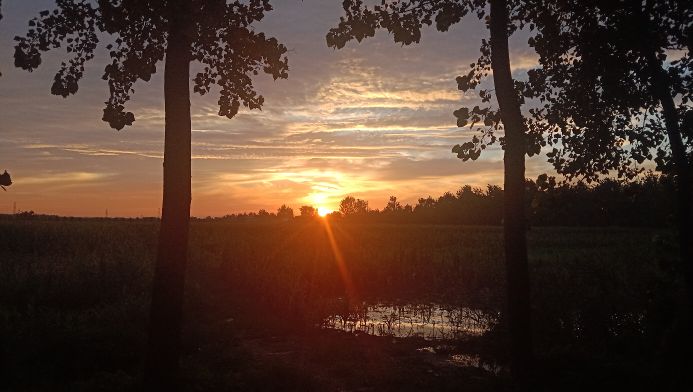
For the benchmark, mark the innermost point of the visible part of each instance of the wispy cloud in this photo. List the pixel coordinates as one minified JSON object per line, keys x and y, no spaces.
{"x":77,"y":178}
{"x":371,"y":120}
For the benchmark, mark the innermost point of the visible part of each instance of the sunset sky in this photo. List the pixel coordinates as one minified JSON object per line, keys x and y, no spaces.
{"x":371,"y":120}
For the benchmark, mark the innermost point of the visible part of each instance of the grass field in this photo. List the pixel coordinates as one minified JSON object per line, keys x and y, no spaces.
{"x":74,"y":305}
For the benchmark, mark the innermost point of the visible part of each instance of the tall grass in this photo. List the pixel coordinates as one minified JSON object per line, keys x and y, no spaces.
{"x":74,"y":294}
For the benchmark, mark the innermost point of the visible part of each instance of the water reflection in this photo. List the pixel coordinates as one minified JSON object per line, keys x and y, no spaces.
{"x":429,"y":321}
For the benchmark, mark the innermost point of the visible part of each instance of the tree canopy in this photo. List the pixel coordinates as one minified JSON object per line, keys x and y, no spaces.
{"x":229,"y":51}
{"x":599,"y":110}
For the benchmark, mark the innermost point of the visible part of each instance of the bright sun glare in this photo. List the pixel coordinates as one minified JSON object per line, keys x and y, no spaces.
{"x":323,"y":211}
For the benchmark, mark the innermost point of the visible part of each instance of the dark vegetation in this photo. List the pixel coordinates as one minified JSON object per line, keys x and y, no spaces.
{"x":647,"y":202}
{"x":75,"y":294}
{"x":603,"y":308}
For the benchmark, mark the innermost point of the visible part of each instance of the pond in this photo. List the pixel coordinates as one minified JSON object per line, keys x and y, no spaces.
{"x":429,"y":321}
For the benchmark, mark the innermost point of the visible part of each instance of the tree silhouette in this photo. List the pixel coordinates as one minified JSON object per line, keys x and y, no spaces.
{"x":549,"y":202}
{"x":285,"y":212}
{"x":217,"y":35}
{"x":393,"y":205}
{"x":308,"y":211}
{"x":5,"y":180}
{"x":404,"y":20}
{"x":608,"y":100}
{"x":350,"y":206}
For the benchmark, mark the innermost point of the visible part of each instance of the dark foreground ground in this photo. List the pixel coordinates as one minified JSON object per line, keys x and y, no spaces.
{"x":74,"y":305}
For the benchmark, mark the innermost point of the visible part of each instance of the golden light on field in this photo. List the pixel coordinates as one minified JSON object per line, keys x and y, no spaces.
{"x":323,"y":211}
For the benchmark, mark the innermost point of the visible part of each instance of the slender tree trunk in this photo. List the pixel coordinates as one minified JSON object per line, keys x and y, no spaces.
{"x":682,"y":169}
{"x":514,"y":225}
{"x":161,"y":368}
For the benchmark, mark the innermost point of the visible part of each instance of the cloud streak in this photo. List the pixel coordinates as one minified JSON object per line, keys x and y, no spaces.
{"x":371,"y":120}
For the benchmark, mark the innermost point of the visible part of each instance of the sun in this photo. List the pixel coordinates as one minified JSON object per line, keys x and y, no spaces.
{"x":323,"y":211}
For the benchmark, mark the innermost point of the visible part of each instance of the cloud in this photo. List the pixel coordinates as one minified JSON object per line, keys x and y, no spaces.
{"x":372,"y":119}
{"x":63,"y":178}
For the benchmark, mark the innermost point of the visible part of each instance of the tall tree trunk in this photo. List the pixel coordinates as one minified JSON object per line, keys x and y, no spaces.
{"x":161,"y":368}
{"x":661,"y":88}
{"x":682,"y":169}
{"x":514,"y":225}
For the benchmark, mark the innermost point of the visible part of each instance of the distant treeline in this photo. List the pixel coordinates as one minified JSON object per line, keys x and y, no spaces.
{"x":647,"y":201}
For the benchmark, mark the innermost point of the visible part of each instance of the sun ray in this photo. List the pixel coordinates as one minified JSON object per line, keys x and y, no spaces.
{"x":351,"y":292}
